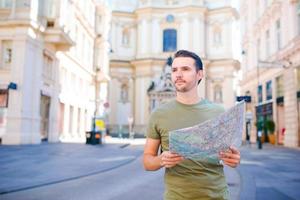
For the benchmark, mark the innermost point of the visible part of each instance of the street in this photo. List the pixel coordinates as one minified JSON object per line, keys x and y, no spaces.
{"x":114,"y":171}
{"x":123,"y":177}
{"x":126,"y":182}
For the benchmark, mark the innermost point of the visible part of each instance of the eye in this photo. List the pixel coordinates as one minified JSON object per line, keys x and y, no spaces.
{"x":174,"y":69}
{"x":185,"y":68}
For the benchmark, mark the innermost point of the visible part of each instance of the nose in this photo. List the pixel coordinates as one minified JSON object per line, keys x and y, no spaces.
{"x":178,"y":73}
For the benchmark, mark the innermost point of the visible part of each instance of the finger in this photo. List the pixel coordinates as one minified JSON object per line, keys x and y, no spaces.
{"x":173,"y":155}
{"x":234,"y":150}
{"x":231,"y":161}
{"x":176,"y":159}
{"x":170,"y":155}
{"x":229,"y":155}
{"x":230,"y":164}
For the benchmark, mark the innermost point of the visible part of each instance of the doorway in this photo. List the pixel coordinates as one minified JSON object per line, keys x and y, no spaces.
{"x":280,"y":124}
{"x":298,"y":122}
{"x":44,"y":113}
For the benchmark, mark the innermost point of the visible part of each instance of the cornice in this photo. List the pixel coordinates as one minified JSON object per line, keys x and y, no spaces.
{"x":225,"y":10}
{"x":225,"y":62}
{"x":21,"y":23}
{"x":148,"y":61}
{"x":123,"y":14}
{"x":120,"y":64}
{"x":185,"y":9}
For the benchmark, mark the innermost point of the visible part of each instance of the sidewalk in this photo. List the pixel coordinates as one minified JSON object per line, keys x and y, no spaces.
{"x":269,"y":173}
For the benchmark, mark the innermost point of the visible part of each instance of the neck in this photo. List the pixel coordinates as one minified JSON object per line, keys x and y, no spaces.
{"x":190,"y":97}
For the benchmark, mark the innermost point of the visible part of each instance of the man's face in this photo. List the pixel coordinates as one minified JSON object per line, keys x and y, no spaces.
{"x":184,"y":74}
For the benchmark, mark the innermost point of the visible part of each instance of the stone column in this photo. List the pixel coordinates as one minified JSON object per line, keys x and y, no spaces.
{"x":196,"y":45}
{"x":202,"y":38}
{"x":290,"y":110}
{"x":183,"y":42}
{"x":156,"y":37}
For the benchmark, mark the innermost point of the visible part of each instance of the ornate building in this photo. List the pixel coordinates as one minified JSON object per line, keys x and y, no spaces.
{"x":145,"y":33}
{"x":52,"y":64}
{"x":271,"y":66}
{"x":162,"y":90}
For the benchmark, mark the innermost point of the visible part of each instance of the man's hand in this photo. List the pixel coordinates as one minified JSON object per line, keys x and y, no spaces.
{"x":169,"y":159}
{"x":230,"y":157}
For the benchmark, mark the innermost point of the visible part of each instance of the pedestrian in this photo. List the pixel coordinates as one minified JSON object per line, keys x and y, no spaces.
{"x":186,"y":179}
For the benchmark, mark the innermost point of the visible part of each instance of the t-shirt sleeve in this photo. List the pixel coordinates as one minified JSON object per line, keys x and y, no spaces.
{"x":152,"y":131}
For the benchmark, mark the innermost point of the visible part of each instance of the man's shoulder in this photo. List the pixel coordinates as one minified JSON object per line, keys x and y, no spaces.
{"x":164,"y":108}
{"x":213,"y":106}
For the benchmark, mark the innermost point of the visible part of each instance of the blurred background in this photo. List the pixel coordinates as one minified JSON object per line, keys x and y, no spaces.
{"x":66,"y":64}
{"x":76,"y":72}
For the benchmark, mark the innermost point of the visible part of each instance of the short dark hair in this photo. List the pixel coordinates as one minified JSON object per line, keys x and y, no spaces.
{"x":185,"y":53}
{"x":197,"y":59}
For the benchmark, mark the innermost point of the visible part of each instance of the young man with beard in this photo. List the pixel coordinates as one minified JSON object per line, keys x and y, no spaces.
{"x":186,"y":179}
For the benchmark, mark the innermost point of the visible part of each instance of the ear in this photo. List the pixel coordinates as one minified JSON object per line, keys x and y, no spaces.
{"x":200,"y":74}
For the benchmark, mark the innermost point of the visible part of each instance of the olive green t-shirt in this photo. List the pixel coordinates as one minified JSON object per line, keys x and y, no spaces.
{"x":190,"y":179}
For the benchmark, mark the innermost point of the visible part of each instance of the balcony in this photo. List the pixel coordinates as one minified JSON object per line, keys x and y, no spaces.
{"x":57,"y":36}
{"x":55,"y":32}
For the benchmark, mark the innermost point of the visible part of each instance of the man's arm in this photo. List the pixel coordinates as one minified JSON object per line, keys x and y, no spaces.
{"x":152,"y":161}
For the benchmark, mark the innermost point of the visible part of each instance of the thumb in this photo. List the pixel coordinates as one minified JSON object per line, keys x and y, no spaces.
{"x":234,"y":150}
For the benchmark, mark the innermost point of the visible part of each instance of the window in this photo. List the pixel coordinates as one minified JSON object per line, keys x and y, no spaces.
{"x":269,"y":90}
{"x":278,"y":36}
{"x":218,"y":96}
{"x":3,"y":98}
{"x":124,"y":93}
{"x":61,"y":118}
{"x":47,"y":67}
{"x":170,"y":18}
{"x":22,"y":3}
{"x":7,"y":53}
{"x":279,"y":86}
{"x":126,"y":37}
{"x":78,"y":121}
{"x":5,"y":3}
{"x":259,"y":93}
{"x":71,"y":113}
{"x":267,"y":43}
{"x":217,"y":33}
{"x":265,"y":4}
{"x":257,"y":9}
{"x":170,"y":40}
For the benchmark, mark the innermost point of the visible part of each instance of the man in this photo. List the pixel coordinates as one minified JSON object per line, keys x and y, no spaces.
{"x":186,"y":179}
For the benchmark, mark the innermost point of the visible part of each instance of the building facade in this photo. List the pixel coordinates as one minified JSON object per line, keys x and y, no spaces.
{"x":145,"y":33}
{"x":52,"y":62}
{"x":271,"y":66}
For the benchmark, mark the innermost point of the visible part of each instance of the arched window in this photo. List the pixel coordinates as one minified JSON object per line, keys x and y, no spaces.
{"x":125,"y":37}
{"x":170,"y":40}
{"x":218,"y":95}
{"x":217,"y":34}
{"x":124,"y":93}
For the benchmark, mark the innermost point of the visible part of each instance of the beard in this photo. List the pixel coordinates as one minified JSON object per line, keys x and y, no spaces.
{"x":185,"y":87}
{"x":181,"y":89}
